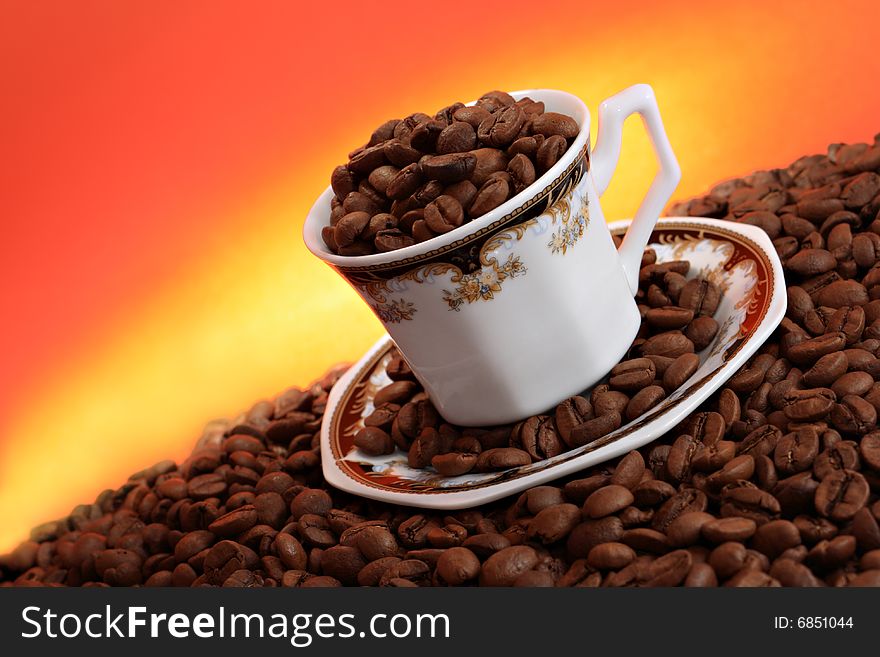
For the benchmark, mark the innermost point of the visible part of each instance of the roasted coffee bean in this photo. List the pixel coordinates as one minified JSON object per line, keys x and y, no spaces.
{"x":809,"y":351}
{"x":485,"y":545}
{"x":416,"y":416}
{"x":747,"y":502}
{"x":578,"y":490}
{"x":701,"y":332}
{"x":446,"y":537}
{"x":832,"y":553}
{"x":342,"y":563}
{"x":489,"y":161}
{"x":709,"y":458}
{"x":727,"y":559}
{"x":426,"y":446}
{"x":404,"y":183}
{"x":669,"y":317}
{"x":826,"y":370}
{"x":595,"y":428}
{"x":644,"y":539}
{"x":684,"y":501}
{"x":608,"y":402}
{"x":701,"y":575}
{"x":796,"y":451}
{"x":458,"y":565}
{"x":707,"y":427}
{"x":607,"y":501}
{"x":854,"y":415}
{"x":553,"y":123}
{"x":795,"y":493}
{"x":413,"y":532}
{"x":723,"y":530}
{"x":473,"y":115}
{"x":866,"y":530}
{"x":593,"y":532}
{"x":633,"y":517}
{"x":671,"y":344}
{"x":463,"y":191}
{"x":498,"y":130}
{"x":424,"y":135}
{"x":629,"y":471}
{"x":841,"y":494}
{"x":686,"y":529}
{"x":502,"y":458}
{"x":808,"y":405}
{"x":792,"y":573}
{"x":406,"y":573}
{"x":775,"y":537}
{"x":360,"y":202}
{"x":312,"y":501}
{"x":680,"y":370}
{"x":571,"y":413}
{"x":842,"y":293}
{"x":747,"y":379}
{"x":700,"y":296}
{"x":538,"y":436}
{"x":235,"y":522}
{"x":315,"y":530}
{"x":444,"y":214}
{"x":810,"y":262}
{"x":291,"y":552}
{"x":849,"y":320}
{"x":580,"y":575}
{"x":843,"y":455}
{"x":490,"y":195}
{"x":376,"y":542}
{"x":457,"y":137}
{"x":503,"y":567}
{"x":610,"y":556}
{"x":454,"y":464}
{"x":750,"y":578}
{"x":643,"y":401}
{"x":374,"y":441}
{"x":760,"y":442}
{"x":400,"y":154}
{"x":522,"y":172}
{"x":681,"y":455}
{"x":869,"y":448}
{"x":633,"y":375}
{"x":852,"y":383}
{"x":550,"y":152}
{"x":739,"y":468}
{"x":342,"y":181}
{"x":554,"y":523}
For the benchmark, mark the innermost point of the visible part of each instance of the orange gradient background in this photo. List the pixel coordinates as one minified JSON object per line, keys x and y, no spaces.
{"x":158,"y":159}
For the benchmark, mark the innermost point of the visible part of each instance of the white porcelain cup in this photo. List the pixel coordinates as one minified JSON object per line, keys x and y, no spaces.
{"x":511,"y":313}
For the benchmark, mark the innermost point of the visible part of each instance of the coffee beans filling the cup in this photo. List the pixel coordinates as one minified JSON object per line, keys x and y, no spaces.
{"x":773,"y":481}
{"x":423,"y":176}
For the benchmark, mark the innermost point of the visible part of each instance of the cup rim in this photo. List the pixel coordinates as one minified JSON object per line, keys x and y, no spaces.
{"x":319,"y":215}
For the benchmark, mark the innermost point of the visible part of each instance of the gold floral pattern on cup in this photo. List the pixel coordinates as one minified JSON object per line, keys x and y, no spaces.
{"x":485,"y":283}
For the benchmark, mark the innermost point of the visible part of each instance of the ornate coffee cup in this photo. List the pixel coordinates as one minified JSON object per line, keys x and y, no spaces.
{"x":528,"y":304}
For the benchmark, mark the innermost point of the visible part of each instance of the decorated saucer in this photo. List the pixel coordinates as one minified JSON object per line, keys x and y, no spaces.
{"x":738,"y":258}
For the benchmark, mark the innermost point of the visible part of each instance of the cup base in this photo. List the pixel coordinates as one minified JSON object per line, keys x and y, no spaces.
{"x":519,"y":406}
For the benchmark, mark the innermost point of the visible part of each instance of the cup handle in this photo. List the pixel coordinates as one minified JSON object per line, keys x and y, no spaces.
{"x":612,"y":113}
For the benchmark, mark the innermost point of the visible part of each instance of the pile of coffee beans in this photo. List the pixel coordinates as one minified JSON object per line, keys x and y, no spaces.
{"x":676,"y":322}
{"x":422,"y":176}
{"x":775,"y":480}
